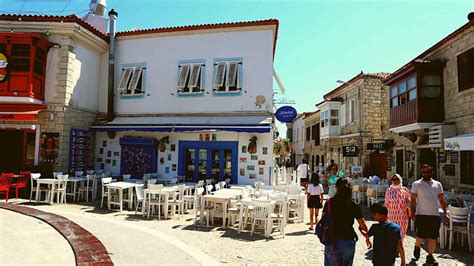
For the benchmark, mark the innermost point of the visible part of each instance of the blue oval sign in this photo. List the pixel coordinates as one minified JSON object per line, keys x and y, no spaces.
{"x":286,"y":114}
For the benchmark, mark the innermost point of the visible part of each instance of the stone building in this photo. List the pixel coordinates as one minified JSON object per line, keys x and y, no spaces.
{"x":297,"y":151}
{"x":354,"y":124}
{"x":431,"y":104}
{"x":312,"y":145}
{"x":48,"y":97}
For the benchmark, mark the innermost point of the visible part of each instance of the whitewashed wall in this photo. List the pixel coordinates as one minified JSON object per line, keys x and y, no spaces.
{"x":264,"y":140}
{"x":161,"y":55}
{"x":299,"y":139}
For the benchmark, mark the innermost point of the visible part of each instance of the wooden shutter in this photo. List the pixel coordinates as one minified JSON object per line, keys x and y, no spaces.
{"x":183,"y":76}
{"x":466,"y":70}
{"x":342,"y":115}
{"x":220,"y":72}
{"x":195,"y":72}
{"x":232,"y":74}
{"x":137,"y":72}
{"x":352,"y":111}
{"x":126,"y":74}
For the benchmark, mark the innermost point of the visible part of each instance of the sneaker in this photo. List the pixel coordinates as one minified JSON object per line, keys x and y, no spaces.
{"x":416,"y":252}
{"x":431,"y":260}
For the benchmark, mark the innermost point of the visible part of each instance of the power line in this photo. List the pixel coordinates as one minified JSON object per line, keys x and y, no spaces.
{"x":22,"y":6}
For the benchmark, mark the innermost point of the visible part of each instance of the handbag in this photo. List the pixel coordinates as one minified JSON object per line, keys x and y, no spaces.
{"x":325,"y":227}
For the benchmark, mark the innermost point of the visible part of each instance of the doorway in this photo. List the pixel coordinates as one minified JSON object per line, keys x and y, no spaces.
{"x":400,"y":162}
{"x":427,"y":156}
{"x":208,"y":160}
{"x":378,"y":163}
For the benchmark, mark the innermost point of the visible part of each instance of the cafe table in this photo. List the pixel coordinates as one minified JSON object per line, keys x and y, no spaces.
{"x":216,"y":199}
{"x":120,"y":187}
{"x":51,"y":182}
{"x":147,"y":194}
{"x":74,"y":180}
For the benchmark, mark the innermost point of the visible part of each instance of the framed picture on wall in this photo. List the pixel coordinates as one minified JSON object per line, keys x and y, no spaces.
{"x":260,"y":171}
{"x":173,"y":167}
{"x":242,"y":171}
{"x":251,"y":167}
{"x":244,"y":149}
{"x":261,"y":162}
{"x":253,"y":176}
{"x":442,"y":157}
{"x":253,"y":157}
{"x":173,"y":147}
{"x":243,"y":159}
{"x":265,"y":150}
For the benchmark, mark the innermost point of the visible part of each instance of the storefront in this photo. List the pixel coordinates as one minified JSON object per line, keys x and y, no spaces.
{"x":238,"y":148}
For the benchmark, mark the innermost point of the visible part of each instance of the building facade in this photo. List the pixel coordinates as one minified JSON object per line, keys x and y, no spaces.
{"x":432,"y":110}
{"x":51,"y":70}
{"x":354,"y":124}
{"x":297,"y":151}
{"x":312,"y":145}
{"x":193,"y":101}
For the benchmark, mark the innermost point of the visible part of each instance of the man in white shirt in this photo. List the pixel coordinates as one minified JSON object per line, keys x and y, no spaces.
{"x":302,"y":173}
{"x":425,"y":194}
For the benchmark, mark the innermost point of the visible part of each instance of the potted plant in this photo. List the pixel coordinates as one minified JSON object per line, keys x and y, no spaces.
{"x":162,"y":143}
{"x":252,"y":147}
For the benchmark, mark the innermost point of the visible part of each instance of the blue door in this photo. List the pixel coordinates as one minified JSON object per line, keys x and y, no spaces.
{"x":215,"y":160}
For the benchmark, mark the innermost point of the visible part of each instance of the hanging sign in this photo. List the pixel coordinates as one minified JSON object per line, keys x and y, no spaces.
{"x":356,"y":169}
{"x":18,"y":117}
{"x":286,"y":114}
{"x":350,"y":151}
{"x":376,"y":146}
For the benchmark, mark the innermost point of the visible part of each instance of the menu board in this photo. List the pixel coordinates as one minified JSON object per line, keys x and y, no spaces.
{"x":79,"y":150}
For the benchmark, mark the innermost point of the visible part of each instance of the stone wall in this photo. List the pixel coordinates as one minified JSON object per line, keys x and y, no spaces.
{"x":310,"y":147}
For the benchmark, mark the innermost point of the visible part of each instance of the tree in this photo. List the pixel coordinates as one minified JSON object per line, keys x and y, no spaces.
{"x":281,"y":148}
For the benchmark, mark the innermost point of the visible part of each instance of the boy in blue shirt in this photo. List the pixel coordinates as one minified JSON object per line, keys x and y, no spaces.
{"x":387,"y":238}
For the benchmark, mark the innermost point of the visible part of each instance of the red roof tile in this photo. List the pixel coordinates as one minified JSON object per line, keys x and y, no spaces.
{"x":380,"y":75}
{"x":50,"y":18}
{"x":273,"y":22}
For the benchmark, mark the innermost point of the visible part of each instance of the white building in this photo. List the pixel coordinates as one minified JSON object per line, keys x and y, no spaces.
{"x":298,"y":139}
{"x":206,"y":89}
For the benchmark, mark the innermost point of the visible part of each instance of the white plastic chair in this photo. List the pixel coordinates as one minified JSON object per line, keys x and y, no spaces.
{"x":222,"y":184}
{"x":79,"y":173}
{"x":34,"y":177}
{"x":261,"y":212}
{"x":88,"y":188}
{"x":177,"y":202}
{"x":56,"y":174}
{"x":90,"y":172}
{"x":126,"y":177}
{"x":105,"y":190}
{"x":139,"y":197}
{"x":217,"y":186}
{"x":357,"y":194}
{"x":459,"y":222}
{"x":156,"y":200}
{"x":209,"y":189}
{"x":60,"y":189}
{"x":197,"y":204}
{"x":371,"y":194}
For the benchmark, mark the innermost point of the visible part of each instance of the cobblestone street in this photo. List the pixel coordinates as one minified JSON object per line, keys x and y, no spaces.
{"x":226,"y":246}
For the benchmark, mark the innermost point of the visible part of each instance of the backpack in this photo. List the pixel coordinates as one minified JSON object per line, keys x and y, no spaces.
{"x":324,"y":228}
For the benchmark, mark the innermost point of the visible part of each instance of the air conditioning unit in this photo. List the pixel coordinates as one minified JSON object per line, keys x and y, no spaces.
{"x":437,"y":134}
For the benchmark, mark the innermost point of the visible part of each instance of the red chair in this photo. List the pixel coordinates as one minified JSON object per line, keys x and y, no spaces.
{"x":21,"y":183}
{"x":5,"y":180}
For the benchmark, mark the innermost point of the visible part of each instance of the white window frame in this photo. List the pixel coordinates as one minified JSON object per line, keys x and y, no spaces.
{"x":186,"y":83}
{"x":225,"y":87}
{"x":128,"y":84}
{"x":342,"y":115}
{"x":352,"y":111}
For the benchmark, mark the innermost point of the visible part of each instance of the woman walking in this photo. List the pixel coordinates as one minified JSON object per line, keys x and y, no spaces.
{"x":343,"y":212}
{"x":332,"y":177}
{"x":397,"y":200}
{"x":315,"y":194}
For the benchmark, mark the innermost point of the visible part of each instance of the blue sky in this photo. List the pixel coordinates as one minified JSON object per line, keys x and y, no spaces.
{"x":319,"y":42}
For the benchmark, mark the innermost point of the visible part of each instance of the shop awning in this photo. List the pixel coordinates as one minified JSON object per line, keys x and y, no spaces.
{"x":19,"y":111}
{"x":460,"y":143}
{"x":249,"y":124}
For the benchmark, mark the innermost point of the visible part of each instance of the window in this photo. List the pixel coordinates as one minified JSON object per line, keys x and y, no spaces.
{"x":316,"y":134}
{"x":403,"y":92}
{"x":343,"y":115}
{"x":352,"y":111}
{"x":20,"y":57}
{"x":297,"y":134}
{"x":430,"y":86}
{"x":227,"y":76}
{"x":467,"y":167}
{"x":325,"y":118}
{"x":190,"y":78}
{"x":466,"y":70}
{"x":132,"y":81}
{"x":308,"y":133}
{"x":334,"y":117}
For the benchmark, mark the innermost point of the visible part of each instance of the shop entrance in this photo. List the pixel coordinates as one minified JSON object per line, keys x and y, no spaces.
{"x":427,"y":156}
{"x":208,"y":160}
{"x":378,"y":163}
{"x":18,"y":148}
{"x":400,"y":162}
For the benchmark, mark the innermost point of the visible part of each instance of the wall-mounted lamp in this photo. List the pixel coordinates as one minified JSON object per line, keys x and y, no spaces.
{"x":33,"y":127}
{"x":51,"y":116}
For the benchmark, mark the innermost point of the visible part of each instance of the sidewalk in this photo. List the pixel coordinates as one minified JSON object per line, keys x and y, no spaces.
{"x":27,"y":240}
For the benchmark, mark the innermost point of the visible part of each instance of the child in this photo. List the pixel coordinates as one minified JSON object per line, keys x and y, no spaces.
{"x":315,"y":194}
{"x":387,"y":237}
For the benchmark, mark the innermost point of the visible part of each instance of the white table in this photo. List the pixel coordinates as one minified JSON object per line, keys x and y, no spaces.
{"x":120,"y":186}
{"x":74,"y":181}
{"x":48,"y":181}
{"x":244,"y":205}
{"x":216,"y":199}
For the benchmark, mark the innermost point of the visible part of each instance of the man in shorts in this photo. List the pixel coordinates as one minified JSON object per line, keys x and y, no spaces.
{"x":425,"y":194}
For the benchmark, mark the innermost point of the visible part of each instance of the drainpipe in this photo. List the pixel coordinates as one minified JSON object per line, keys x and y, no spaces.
{"x":110,"y":90}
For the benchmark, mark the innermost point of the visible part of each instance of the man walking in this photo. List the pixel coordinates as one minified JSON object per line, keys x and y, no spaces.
{"x":425,"y":194}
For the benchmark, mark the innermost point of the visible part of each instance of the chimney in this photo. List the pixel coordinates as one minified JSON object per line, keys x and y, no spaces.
{"x":110,"y":89}
{"x":95,"y":17}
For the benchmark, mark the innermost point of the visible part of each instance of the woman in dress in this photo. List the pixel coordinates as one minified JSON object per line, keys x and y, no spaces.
{"x":315,"y":194}
{"x":397,"y":200}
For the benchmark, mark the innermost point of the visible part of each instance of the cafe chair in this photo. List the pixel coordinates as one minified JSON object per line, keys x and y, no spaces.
{"x":459,"y":223}
{"x":5,"y":180}
{"x":21,"y":182}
